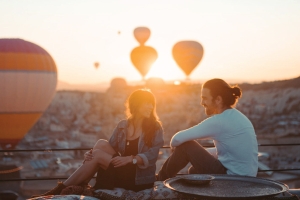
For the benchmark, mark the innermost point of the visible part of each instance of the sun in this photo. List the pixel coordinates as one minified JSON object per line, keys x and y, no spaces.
{"x":165,"y":69}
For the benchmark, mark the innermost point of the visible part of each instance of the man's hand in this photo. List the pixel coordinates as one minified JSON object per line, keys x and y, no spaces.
{"x":121,"y":161}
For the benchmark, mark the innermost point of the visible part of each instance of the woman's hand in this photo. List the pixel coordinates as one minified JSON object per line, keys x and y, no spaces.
{"x":172,"y":149}
{"x":121,"y":161}
{"x":88,"y":156}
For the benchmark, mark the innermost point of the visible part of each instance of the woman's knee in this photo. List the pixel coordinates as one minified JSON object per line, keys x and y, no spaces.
{"x":98,"y":155}
{"x":102,"y":158}
{"x":100,"y":144}
{"x":104,"y":146}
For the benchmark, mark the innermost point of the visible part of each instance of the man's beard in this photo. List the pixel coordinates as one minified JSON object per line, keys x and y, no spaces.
{"x":209,"y":111}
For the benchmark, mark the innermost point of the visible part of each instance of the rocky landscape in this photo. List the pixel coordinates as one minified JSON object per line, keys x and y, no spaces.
{"x":273,"y":108}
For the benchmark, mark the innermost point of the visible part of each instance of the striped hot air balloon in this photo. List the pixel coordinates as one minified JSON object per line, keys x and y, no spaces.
{"x":28,"y":78}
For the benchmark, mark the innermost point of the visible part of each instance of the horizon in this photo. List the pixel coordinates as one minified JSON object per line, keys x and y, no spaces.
{"x":100,"y":87}
{"x":251,"y":41}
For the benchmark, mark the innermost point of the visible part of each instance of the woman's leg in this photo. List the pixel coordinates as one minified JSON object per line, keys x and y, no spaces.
{"x":102,"y":154}
{"x":104,"y":146}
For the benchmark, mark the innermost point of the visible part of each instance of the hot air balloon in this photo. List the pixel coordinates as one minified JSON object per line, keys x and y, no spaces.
{"x":96,"y":64}
{"x":142,"y":58}
{"x":187,"y":55}
{"x":28,"y":77}
{"x":141,"y":34}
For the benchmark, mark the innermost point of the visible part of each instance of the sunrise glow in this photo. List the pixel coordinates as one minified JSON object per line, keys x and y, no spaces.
{"x":249,"y":41}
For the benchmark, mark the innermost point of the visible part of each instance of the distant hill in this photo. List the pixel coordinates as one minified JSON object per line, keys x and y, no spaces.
{"x":282,"y":84}
{"x":80,"y":110}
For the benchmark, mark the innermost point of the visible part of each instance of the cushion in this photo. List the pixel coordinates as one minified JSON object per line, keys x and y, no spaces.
{"x":65,"y":197}
{"x":159,"y":191}
{"x":120,"y":193}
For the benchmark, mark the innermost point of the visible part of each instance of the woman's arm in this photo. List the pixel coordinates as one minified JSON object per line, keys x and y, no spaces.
{"x":121,"y":160}
{"x":149,"y":157}
{"x":124,"y":160}
{"x":113,"y":141}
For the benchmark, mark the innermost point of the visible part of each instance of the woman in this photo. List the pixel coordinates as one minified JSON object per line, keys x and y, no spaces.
{"x":129,"y":156}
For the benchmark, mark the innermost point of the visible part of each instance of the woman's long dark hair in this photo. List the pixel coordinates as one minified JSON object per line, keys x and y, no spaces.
{"x":149,"y":125}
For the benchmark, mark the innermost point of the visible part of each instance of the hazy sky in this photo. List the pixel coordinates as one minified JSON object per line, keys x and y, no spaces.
{"x":247,"y":40}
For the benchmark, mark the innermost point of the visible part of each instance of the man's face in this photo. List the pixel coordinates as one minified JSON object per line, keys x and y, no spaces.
{"x":207,"y":102}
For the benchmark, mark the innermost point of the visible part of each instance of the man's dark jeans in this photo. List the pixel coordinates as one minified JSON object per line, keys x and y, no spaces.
{"x":202,"y":161}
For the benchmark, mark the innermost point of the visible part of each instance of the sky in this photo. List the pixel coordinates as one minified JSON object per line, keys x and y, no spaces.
{"x":243,"y":40}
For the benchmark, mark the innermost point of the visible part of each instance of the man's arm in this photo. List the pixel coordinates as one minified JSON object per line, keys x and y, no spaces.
{"x":208,"y":128}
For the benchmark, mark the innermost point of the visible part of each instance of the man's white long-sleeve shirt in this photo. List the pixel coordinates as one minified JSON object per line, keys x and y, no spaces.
{"x":234,"y":137}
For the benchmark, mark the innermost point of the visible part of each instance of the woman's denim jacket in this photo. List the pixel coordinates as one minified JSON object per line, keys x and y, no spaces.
{"x":144,"y":173}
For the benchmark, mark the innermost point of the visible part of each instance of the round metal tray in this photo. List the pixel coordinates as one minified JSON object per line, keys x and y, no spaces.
{"x":229,"y":187}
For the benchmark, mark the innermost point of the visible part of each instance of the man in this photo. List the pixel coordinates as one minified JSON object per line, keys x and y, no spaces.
{"x":232,"y":132}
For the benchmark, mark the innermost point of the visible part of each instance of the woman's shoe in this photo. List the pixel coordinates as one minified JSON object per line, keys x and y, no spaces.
{"x":55,"y":191}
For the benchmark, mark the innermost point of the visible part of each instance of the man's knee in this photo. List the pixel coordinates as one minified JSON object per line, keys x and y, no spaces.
{"x":188,"y":145}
